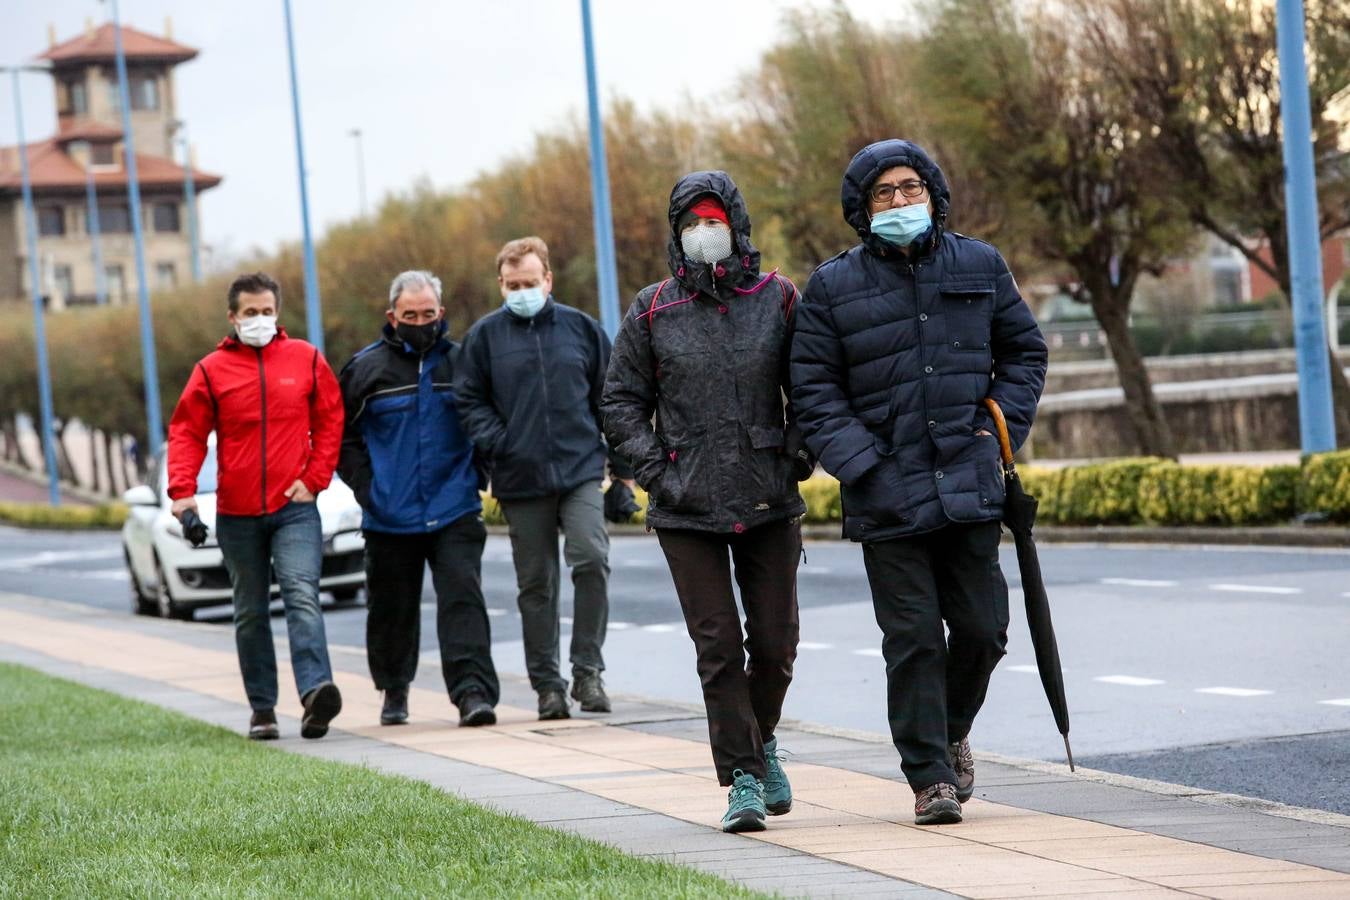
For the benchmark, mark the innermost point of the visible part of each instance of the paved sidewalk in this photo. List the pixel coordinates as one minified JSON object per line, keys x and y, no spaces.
{"x":641,"y":780}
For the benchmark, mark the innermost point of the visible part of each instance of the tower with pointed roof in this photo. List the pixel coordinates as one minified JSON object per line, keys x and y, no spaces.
{"x":89,"y":140}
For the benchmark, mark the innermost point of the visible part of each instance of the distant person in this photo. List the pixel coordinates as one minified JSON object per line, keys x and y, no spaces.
{"x":898,"y":342}
{"x":411,"y":465}
{"x":276,"y":410}
{"x":706,"y":353}
{"x":529,"y":394}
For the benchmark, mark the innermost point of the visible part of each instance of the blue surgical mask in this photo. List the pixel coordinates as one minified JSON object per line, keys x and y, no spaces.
{"x":902,"y":225}
{"x":526,"y":301}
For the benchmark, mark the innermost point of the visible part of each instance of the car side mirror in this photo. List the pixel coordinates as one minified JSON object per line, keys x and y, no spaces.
{"x":141,"y":495}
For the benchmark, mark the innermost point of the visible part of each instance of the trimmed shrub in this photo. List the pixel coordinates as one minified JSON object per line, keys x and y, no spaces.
{"x":40,"y":515}
{"x":1325,"y":485}
{"x":1101,"y":494}
{"x":823,"y":502}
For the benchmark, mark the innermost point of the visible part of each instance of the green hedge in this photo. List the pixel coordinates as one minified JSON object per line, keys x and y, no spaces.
{"x":40,"y":515}
{"x":1325,"y":486}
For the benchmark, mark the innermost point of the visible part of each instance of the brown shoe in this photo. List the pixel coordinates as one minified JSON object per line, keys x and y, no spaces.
{"x":322,"y":704}
{"x":963,"y":764}
{"x":937,"y":805}
{"x":263,"y":726}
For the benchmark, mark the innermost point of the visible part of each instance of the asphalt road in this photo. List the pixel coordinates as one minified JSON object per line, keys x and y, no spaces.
{"x":1223,"y":668}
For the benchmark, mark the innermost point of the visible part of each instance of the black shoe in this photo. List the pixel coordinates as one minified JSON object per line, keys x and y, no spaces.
{"x":322,"y":704}
{"x":263,"y":726}
{"x":553,"y":705}
{"x":475,"y":710}
{"x":589,"y":691}
{"x":963,"y":764}
{"x":395,"y":709}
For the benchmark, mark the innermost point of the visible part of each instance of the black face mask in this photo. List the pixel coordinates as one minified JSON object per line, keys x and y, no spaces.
{"x":420,"y":338}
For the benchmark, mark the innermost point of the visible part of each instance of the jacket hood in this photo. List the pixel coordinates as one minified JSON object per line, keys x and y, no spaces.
{"x":231,"y":341}
{"x":869,"y":163}
{"x":390,"y":336}
{"x":742,"y":265}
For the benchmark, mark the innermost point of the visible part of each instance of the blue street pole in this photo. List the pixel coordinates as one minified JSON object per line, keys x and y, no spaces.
{"x":48,"y":435}
{"x":190,"y":199}
{"x":1317,"y":429}
{"x":91,"y":222}
{"x":313,"y":316}
{"x":149,"y":364}
{"x":606,"y":271}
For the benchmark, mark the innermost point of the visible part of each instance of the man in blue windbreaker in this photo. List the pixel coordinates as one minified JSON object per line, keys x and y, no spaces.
{"x":411,"y":466}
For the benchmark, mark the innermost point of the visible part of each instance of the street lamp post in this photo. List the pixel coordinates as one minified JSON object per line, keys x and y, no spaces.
{"x":48,"y":434}
{"x":313,"y":316}
{"x":1316,"y":424}
{"x":149,"y":364}
{"x":360,"y":169}
{"x":91,"y":225}
{"x":190,"y":199}
{"x":606,"y":271}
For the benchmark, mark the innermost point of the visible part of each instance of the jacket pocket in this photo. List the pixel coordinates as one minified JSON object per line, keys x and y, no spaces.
{"x":989,"y":470}
{"x":877,"y":500}
{"x":677,"y":487}
{"x":770,"y":467}
{"x":968,"y":308}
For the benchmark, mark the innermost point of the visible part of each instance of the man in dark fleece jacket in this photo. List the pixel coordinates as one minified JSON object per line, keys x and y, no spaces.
{"x":529,"y":391}
{"x":406,"y":456}
{"x":898,"y":342}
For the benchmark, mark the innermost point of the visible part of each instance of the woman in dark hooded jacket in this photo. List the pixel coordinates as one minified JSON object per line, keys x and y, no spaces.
{"x":706,"y":351}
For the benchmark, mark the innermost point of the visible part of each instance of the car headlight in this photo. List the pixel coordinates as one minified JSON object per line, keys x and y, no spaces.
{"x":350,"y":520}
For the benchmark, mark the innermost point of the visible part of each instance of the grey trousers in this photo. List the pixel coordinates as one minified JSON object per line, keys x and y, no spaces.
{"x":534,"y":526}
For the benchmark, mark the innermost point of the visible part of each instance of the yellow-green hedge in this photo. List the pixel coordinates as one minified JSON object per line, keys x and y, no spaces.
{"x":1325,"y":486}
{"x":40,"y":515}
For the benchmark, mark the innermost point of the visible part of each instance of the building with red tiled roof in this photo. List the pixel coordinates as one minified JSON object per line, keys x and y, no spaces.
{"x":89,"y":145}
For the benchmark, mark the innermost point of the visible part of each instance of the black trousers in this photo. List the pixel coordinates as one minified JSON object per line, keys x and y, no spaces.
{"x":936,"y":685}
{"x":394,"y":564}
{"x":744,"y":698}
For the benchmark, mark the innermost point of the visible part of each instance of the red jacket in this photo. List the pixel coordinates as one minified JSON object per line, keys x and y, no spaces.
{"x":277,"y":414}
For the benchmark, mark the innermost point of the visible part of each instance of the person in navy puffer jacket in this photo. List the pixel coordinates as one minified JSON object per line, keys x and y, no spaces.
{"x":898,"y":342}
{"x":411,"y":465}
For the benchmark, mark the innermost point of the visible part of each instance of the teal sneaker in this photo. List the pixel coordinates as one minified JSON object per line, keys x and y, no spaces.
{"x":777,"y":789}
{"x":745,"y":804}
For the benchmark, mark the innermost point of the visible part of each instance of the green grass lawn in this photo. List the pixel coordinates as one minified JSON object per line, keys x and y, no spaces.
{"x":101,"y":796}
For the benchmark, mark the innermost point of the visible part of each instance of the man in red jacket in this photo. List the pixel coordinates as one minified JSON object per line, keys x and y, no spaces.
{"x":277,"y":412}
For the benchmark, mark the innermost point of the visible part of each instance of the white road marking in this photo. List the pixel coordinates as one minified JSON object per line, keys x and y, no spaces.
{"x":813,"y":645}
{"x":1128,"y":680}
{"x":493,"y":612}
{"x":868,"y":651}
{"x":620,"y":626}
{"x":659,"y":629}
{"x":1032,"y":670}
{"x":1140,"y":582}
{"x":639,"y":563}
{"x":47,"y":557}
{"x":1255,"y":589}
{"x":817,"y":570}
{"x":1342,"y":701}
{"x":1233,"y":692}
{"x":566,"y":620}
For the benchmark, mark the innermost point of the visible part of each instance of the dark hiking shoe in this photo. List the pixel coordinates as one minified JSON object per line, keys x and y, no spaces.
{"x":937,"y":805}
{"x":745,"y":804}
{"x":475,"y":710}
{"x":553,"y":705}
{"x":777,"y":790}
{"x":589,"y":691}
{"x":963,"y":764}
{"x":322,"y":704}
{"x":395,"y":709}
{"x":263,"y":726}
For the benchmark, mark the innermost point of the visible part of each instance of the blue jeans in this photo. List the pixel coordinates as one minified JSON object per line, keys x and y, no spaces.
{"x":288,"y":542}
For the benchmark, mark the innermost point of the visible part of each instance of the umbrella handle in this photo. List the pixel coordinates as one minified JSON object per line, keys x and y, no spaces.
{"x":1001,"y":426}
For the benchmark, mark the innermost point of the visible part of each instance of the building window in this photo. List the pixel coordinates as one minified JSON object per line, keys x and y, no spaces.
{"x":101,"y":154}
{"x":114,"y":218}
{"x":73,"y":98}
{"x":144,"y":90}
{"x":51,"y":221}
{"x":166,"y":276}
{"x":166,"y":217}
{"x":116,"y":281}
{"x":63,"y":282}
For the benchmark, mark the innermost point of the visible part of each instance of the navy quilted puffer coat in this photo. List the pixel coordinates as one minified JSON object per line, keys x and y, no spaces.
{"x":893,"y":356}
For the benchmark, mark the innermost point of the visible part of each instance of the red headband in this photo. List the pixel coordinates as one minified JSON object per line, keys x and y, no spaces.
{"x":710,"y":208}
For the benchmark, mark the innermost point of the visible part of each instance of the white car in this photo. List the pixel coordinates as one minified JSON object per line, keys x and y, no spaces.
{"x":171,"y":578}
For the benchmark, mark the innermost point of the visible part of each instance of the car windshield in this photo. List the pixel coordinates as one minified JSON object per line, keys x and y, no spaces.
{"x":206,"y":478}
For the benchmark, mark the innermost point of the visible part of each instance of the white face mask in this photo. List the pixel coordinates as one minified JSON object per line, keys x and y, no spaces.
{"x":706,"y":243}
{"x":256,"y":331}
{"x":526,"y":301}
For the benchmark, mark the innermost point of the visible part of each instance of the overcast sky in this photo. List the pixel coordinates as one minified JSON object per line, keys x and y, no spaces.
{"x":442,"y":89}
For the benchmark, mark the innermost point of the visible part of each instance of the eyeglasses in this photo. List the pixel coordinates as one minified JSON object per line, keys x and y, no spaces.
{"x":885,"y":193}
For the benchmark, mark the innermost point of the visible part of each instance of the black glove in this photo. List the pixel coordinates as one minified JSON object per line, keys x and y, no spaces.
{"x":619,"y":503}
{"x":194,"y":529}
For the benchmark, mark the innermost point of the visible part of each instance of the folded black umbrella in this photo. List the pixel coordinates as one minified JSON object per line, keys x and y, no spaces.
{"x":620,"y":506}
{"x":194,"y":529}
{"x":1019,"y":514}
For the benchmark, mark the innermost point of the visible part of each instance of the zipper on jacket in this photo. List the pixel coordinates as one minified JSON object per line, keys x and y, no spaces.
{"x":262,"y":386}
{"x":543,"y":383}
